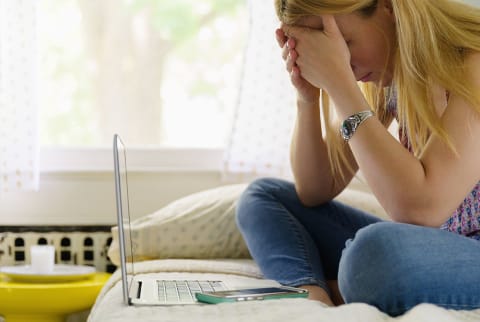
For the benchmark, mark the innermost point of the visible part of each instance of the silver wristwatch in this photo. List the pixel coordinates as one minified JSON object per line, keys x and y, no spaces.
{"x":350,"y":125}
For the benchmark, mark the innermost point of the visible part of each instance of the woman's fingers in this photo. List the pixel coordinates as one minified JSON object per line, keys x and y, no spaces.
{"x":288,"y":46}
{"x":292,"y":31}
{"x":280,"y":37}
{"x":282,"y":42}
{"x":289,"y":55}
{"x":288,"y":43}
{"x":330,"y":26}
{"x":291,"y":60}
{"x":285,"y":51}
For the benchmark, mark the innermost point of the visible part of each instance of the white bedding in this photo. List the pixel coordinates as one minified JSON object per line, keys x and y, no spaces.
{"x":110,"y":308}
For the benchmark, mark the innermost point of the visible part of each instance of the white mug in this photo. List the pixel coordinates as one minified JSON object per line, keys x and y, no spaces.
{"x":42,"y":258}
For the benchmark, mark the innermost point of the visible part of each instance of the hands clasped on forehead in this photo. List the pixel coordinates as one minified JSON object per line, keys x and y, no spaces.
{"x":320,"y":54}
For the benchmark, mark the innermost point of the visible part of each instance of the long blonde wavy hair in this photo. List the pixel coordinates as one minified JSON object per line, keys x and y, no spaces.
{"x":433,"y":37}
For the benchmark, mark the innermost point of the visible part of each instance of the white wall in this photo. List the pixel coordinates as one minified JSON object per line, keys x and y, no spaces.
{"x":88,"y":198}
{"x":77,"y":185}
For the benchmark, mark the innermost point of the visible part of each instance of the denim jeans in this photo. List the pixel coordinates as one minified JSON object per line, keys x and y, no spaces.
{"x":389,"y":265}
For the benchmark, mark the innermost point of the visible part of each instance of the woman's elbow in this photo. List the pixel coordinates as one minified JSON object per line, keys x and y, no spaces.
{"x":309,"y":198}
{"x":420,"y":216}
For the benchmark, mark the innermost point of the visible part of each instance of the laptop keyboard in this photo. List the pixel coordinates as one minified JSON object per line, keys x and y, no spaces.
{"x":184,"y":291}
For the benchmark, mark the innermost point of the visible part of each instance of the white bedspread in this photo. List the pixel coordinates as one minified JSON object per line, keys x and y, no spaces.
{"x":110,"y":308}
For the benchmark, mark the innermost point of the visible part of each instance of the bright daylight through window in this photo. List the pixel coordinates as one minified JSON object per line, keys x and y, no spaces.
{"x":159,"y":72}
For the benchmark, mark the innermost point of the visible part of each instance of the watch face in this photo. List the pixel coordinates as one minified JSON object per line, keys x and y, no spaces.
{"x":347,"y":129}
{"x":349,"y":126}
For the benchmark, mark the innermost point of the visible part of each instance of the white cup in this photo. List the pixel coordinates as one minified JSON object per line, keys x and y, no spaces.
{"x":42,"y":258}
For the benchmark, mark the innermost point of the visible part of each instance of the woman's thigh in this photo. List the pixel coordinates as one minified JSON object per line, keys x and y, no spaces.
{"x":396,"y":266}
{"x":273,"y":220}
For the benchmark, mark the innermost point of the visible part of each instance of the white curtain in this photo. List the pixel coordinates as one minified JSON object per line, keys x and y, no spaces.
{"x":264,"y":119}
{"x":18,"y":99}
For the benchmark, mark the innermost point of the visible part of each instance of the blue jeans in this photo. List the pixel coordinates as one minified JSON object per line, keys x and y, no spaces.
{"x":389,"y":265}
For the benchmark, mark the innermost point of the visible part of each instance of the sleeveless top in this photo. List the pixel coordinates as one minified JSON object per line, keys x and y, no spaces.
{"x":465,"y":220}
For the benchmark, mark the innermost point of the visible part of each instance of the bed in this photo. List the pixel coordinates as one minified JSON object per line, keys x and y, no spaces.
{"x":195,"y":237}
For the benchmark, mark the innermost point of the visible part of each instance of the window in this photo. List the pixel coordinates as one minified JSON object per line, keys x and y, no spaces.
{"x":160,"y":73}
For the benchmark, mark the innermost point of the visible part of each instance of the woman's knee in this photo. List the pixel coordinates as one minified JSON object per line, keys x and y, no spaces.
{"x":396,"y":266}
{"x":253,"y":201}
{"x":371,"y":262}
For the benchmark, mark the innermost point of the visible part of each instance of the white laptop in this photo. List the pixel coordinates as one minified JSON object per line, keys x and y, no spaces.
{"x":151,"y":291}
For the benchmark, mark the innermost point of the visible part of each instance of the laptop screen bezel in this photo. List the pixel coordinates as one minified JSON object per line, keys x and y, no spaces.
{"x":121,"y":212}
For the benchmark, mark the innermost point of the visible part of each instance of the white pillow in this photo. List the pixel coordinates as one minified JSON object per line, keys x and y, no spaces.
{"x":201,"y":225}
{"x":364,"y":200}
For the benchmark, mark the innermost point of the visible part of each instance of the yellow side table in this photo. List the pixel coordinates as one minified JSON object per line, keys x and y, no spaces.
{"x":47,"y":302}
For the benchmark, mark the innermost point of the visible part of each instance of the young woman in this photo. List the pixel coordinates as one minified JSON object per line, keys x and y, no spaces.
{"x":418,"y":62}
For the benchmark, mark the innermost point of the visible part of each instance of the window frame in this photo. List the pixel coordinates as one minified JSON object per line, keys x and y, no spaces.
{"x":161,"y":159}
{"x":77,"y":184}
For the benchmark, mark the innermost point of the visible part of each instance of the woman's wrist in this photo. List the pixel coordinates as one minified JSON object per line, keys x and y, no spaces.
{"x":348,"y":100}
{"x":303,"y":104}
{"x":308,"y":97}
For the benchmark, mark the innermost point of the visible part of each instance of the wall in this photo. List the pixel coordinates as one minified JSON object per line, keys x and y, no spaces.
{"x":88,"y":198}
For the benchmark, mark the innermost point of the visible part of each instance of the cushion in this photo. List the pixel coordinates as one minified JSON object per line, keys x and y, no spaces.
{"x":364,"y":200}
{"x":202,"y":226}
{"x":198,"y":226}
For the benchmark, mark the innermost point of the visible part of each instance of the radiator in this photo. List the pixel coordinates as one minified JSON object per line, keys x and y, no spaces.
{"x":75,"y":245}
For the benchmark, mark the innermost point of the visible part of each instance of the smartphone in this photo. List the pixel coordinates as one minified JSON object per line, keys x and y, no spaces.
{"x":251,"y":294}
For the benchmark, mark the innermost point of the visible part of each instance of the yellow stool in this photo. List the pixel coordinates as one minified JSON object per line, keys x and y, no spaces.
{"x":47,"y":302}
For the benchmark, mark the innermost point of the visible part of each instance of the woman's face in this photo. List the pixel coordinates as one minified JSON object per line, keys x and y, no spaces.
{"x":371,"y":41}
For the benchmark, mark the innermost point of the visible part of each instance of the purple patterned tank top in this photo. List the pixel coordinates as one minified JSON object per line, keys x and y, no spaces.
{"x":466,"y":219}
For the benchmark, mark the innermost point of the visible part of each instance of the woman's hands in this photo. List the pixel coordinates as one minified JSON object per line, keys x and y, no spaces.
{"x":318,"y":57}
{"x":306,"y":92}
{"x":314,"y":180}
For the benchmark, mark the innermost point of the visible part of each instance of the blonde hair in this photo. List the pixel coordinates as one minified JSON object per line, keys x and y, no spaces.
{"x":433,"y":37}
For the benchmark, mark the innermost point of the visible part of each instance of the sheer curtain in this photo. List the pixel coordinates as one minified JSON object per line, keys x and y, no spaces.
{"x":260,"y":138}
{"x":18,"y":103}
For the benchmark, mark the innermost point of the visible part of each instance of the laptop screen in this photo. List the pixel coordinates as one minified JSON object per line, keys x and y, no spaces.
{"x":123,"y":215}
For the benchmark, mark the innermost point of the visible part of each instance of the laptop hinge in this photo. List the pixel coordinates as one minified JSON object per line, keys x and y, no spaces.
{"x":139,"y":289}
{"x":135,"y":292}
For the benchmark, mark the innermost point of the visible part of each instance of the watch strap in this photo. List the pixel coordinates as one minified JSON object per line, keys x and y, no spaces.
{"x":351,"y":123}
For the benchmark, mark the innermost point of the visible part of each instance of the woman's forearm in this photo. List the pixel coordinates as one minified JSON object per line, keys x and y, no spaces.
{"x":309,"y":157}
